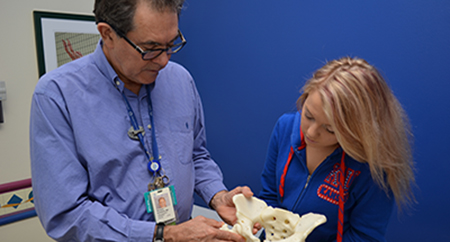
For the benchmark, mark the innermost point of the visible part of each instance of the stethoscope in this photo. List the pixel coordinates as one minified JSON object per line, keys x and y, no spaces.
{"x":136,"y":132}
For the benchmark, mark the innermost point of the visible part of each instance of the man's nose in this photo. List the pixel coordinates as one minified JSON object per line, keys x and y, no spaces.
{"x":162,"y":59}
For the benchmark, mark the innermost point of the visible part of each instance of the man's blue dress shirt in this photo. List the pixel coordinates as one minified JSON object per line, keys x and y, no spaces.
{"x":89,"y":177}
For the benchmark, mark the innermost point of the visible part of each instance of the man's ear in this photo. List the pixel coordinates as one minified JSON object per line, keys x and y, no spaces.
{"x":109,"y":36}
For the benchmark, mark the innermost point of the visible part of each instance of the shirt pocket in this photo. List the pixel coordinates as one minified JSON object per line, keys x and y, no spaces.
{"x":182,"y":132}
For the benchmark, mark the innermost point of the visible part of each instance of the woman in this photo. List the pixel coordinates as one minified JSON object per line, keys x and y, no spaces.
{"x":346,"y":154}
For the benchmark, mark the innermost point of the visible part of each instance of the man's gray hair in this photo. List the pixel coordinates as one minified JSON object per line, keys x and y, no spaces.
{"x":120,"y":13}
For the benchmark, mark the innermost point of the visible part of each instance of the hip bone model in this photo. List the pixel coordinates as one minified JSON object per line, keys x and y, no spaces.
{"x":279,"y":224}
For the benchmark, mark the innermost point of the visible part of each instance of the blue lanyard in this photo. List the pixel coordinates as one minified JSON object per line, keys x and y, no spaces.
{"x":153,"y":165}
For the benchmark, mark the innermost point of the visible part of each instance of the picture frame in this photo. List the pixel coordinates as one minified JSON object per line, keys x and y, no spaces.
{"x":63,"y":37}
{"x":16,"y":201}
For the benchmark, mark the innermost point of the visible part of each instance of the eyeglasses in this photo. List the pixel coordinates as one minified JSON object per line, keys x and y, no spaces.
{"x":178,"y":44}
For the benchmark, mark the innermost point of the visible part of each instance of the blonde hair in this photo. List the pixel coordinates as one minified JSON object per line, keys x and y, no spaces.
{"x":368,"y":120}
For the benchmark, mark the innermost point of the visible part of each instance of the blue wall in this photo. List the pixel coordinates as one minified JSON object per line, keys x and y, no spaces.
{"x":250,"y":58}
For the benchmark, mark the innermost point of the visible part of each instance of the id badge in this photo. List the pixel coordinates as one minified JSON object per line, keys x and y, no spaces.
{"x":161,"y":202}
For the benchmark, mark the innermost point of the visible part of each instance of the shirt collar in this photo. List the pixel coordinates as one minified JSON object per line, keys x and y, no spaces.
{"x":105,"y":67}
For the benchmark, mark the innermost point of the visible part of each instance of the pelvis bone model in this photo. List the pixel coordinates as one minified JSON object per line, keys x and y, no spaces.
{"x":279,"y":224}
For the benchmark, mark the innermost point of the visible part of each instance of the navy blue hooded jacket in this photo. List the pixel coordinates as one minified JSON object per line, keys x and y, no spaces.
{"x":367,"y":207}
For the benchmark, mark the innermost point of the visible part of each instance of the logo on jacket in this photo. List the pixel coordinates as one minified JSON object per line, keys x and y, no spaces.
{"x":329,"y":191}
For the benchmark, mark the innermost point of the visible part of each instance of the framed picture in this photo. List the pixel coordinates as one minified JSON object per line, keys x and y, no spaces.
{"x":62,"y":37}
{"x":16,"y":201}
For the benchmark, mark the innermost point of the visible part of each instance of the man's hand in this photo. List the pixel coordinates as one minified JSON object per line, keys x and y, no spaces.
{"x":222,"y":202}
{"x":199,"y":229}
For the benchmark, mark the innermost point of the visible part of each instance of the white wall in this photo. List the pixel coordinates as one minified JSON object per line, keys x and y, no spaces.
{"x":18,"y":69}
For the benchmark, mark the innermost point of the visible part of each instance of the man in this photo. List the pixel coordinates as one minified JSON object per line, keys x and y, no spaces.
{"x":162,"y":202}
{"x":91,"y":172}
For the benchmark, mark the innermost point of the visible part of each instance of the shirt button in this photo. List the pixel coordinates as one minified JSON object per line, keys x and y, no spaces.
{"x":118,"y":83}
{"x":149,"y":126}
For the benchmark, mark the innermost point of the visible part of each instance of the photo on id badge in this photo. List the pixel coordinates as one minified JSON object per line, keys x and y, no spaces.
{"x":162,"y":205}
